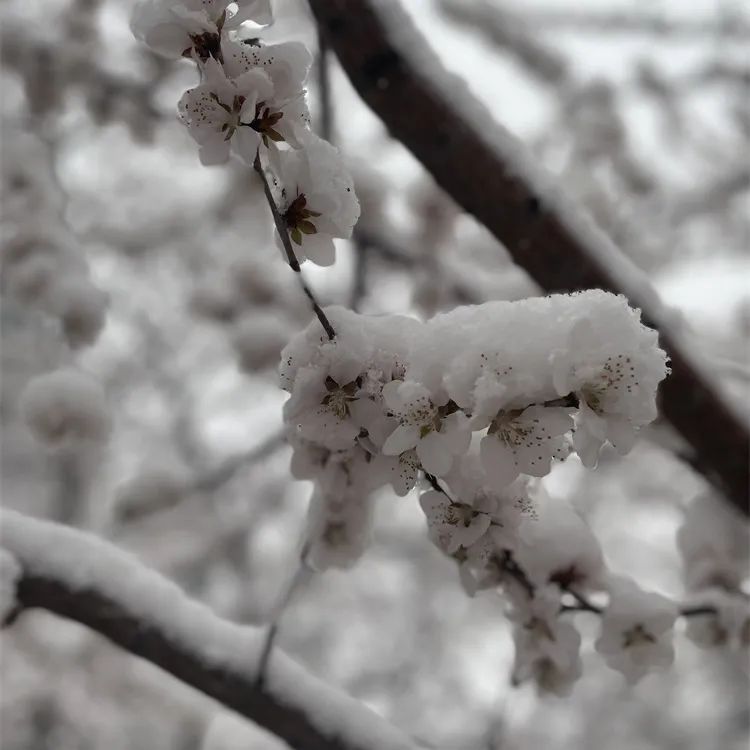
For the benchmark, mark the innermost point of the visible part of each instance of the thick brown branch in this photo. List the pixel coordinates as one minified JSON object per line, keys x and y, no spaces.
{"x":489,"y":174}
{"x":87,"y":580}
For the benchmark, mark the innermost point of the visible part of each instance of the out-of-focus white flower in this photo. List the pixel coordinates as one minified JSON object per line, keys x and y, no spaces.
{"x":547,"y":648}
{"x":65,"y":407}
{"x":714,"y":541}
{"x":636,"y":630}
{"x":728,"y":626}
{"x":338,"y":529}
{"x":437,"y":437}
{"x":557,"y":546}
{"x":317,"y":199}
{"x":186,"y":28}
{"x":220,"y":112}
{"x":523,"y":442}
{"x":80,"y":308}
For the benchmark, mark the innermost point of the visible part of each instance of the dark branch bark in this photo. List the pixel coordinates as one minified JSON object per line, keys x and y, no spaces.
{"x":288,"y":702}
{"x":486,"y":171}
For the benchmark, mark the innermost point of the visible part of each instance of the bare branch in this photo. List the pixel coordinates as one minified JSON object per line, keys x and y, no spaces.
{"x":82,"y":578}
{"x":488,"y":172}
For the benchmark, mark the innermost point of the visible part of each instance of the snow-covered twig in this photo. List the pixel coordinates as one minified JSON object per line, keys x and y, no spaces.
{"x":491,"y":176}
{"x":80,"y":577}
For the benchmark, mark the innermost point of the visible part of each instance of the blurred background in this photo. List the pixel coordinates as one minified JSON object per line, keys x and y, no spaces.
{"x":641,"y":111}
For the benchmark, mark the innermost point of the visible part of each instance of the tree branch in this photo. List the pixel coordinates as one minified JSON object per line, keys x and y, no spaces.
{"x":80,"y":577}
{"x":487,"y":171}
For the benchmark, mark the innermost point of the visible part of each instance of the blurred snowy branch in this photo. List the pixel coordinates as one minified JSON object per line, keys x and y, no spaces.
{"x":82,"y":578}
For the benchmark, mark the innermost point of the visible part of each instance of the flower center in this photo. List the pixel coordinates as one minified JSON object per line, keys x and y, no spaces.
{"x":297,"y":219}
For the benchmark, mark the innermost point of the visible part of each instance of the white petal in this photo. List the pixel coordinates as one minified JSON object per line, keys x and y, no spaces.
{"x":434,"y":454}
{"x":319,"y":248}
{"x":401,"y":439}
{"x":497,"y":462}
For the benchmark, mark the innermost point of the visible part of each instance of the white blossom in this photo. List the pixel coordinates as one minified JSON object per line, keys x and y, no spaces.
{"x":316,"y":199}
{"x":437,"y":437}
{"x":454,"y":524}
{"x":65,"y":407}
{"x":285,"y":117}
{"x":615,"y":391}
{"x":220,"y":113}
{"x":524,"y":442}
{"x":728,"y":625}
{"x":636,"y":630}
{"x":547,"y":648}
{"x":714,"y":541}
{"x":338,"y":529}
{"x":558,"y":546}
{"x":177,"y":28}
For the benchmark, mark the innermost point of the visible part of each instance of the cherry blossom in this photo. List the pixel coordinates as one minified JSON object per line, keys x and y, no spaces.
{"x":437,"y":433}
{"x":636,"y":630}
{"x":727,"y":625}
{"x":187,"y":28}
{"x":316,"y":199}
{"x":220,"y":113}
{"x":455,"y":524}
{"x":547,"y":648}
{"x":523,"y":441}
{"x":338,"y":529}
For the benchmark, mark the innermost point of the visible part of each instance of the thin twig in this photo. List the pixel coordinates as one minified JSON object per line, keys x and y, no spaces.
{"x":291,"y":256}
{"x":301,"y":575}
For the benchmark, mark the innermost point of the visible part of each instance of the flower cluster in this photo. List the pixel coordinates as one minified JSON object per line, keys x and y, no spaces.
{"x":519,"y":384}
{"x":251,"y":102}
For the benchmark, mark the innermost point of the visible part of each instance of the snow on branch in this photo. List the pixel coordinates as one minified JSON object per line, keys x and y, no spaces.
{"x":488,"y":172}
{"x":77,"y":576}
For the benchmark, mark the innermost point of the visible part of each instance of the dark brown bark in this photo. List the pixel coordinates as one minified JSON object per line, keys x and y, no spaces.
{"x":477,"y":164}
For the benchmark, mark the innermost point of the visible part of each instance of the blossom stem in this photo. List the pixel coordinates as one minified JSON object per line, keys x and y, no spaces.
{"x":289,"y":250}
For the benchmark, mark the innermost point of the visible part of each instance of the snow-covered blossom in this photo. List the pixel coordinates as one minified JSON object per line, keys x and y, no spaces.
{"x":547,"y":648}
{"x":338,"y":529}
{"x":438,"y":433}
{"x":636,"y":630}
{"x":524,"y":441}
{"x":316,"y":199}
{"x":615,"y":389}
{"x":10,"y":572}
{"x":221,"y":113}
{"x":65,"y":407}
{"x":187,"y":28}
